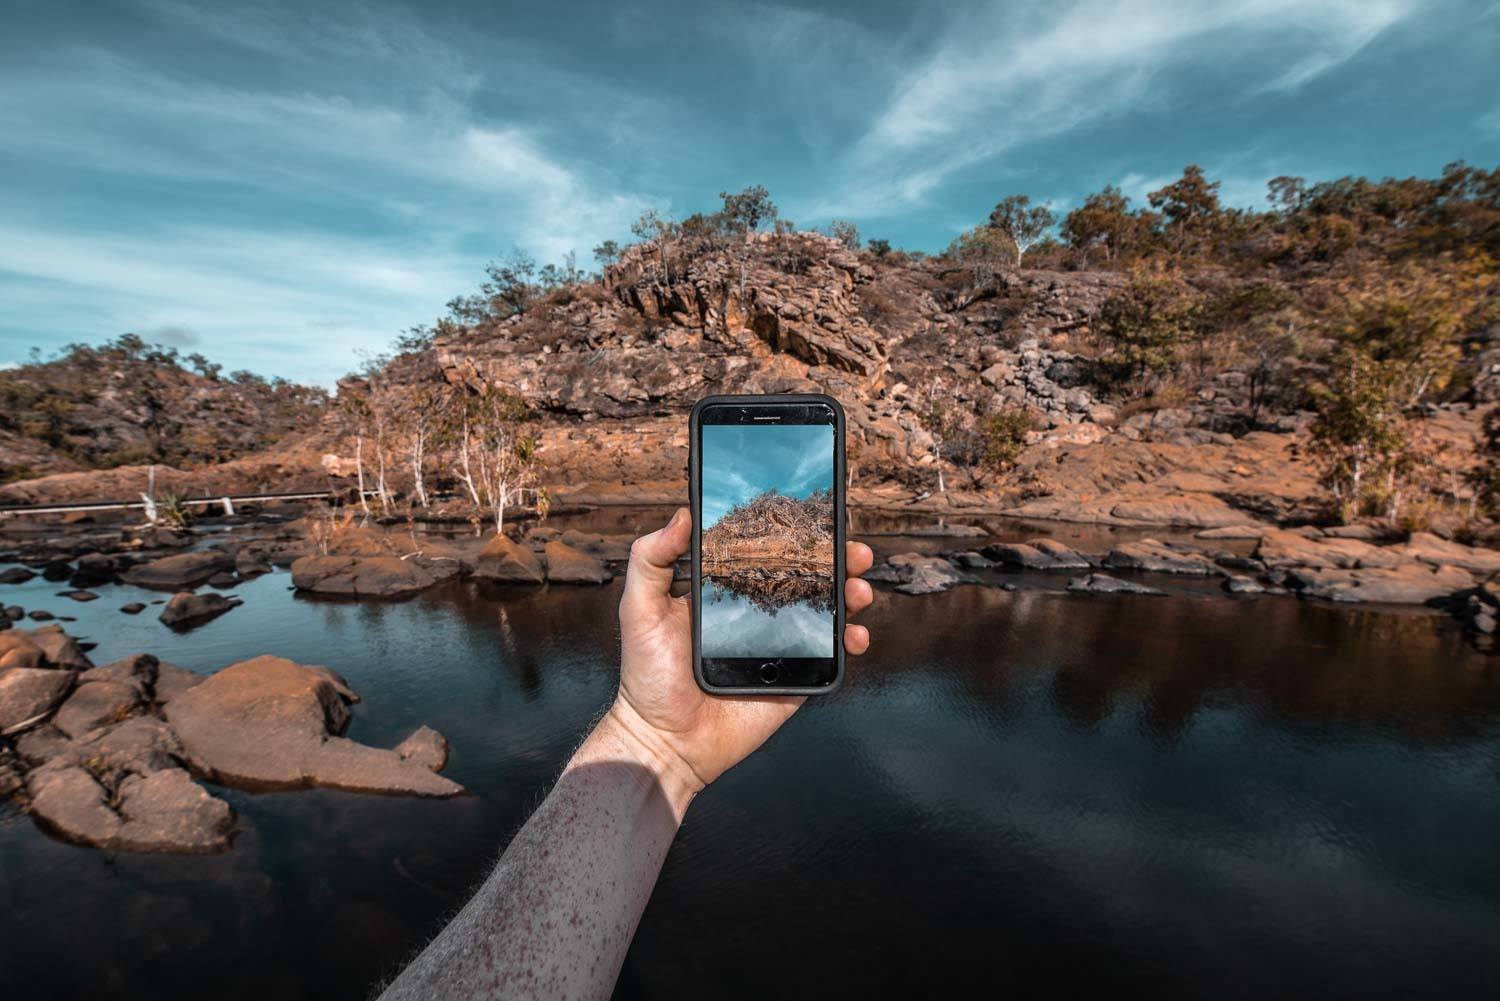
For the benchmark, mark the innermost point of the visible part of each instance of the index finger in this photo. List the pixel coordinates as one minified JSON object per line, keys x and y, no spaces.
{"x":858,"y":558}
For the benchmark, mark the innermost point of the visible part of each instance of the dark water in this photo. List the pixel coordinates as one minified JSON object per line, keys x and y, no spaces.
{"x":1037,"y":793}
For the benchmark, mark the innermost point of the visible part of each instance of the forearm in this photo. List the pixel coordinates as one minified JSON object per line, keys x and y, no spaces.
{"x":555,"y":918}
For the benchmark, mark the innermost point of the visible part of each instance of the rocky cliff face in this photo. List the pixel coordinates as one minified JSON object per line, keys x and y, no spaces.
{"x":612,"y":367}
{"x":782,"y":314}
{"x":647,"y":341}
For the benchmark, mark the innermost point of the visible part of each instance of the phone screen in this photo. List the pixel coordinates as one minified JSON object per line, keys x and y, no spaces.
{"x":767,"y":575}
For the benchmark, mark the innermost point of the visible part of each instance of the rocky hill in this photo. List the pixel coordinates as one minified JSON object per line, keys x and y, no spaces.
{"x":129,"y":402}
{"x":611,"y":369}
{"x":773,"y":532}
{"x":1187,"y":364}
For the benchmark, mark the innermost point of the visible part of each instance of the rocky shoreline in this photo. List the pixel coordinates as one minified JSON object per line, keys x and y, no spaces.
{"x":113,"y":755}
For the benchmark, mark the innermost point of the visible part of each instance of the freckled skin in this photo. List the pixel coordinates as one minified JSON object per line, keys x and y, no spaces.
{"x":556,"y":916}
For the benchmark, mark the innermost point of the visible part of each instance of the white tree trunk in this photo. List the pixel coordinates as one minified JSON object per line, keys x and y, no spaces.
{"x":467,"y":475}
{"x":359,"y":468}
{"x":418,"y":453}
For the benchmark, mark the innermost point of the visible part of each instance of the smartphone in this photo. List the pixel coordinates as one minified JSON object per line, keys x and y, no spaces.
{"x":767,"y":484}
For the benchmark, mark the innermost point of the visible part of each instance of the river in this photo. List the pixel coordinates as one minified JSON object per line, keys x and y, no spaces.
{"x":1032,"y":792}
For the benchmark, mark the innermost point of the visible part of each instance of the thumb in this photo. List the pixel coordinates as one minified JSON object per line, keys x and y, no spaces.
{"x":652,"y":558}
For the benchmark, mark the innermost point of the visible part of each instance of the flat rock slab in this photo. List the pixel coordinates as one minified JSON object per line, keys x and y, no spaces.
{"x":137,"y":671}
{"x":28,"y":695}
{"x":41,"y":743}
{"x":1412,"y":584}
{"x":59,"y":649}
{"x":137,"y":746}
{"x":1434,"y":551}
{"x":615,"y":548}
{"x":1192,"y":510}
{"x":173,"y":573}
{"x":97,"y":704}
{"x":250,"y":563}
{"x":919,"y":574}
{"x":502,"y":559}
{"x":1285,"y":550}
{"x":96,"y":568}
{"x":1038,"y":554}
{"x":189,"y":609}
{"x":268,"y":723}
{"x":1249,"y":532}
{"x":566,"y":565}
{"x":165,"y":811}
{"x":133,"y":608}
{"x":365,"y":576}
{"x":933,"y":530}
{"x":1103,"y":583}
{"x":425,"y":747}
{"x":1156,"y":557}
{"x":18,"y":649}
{"x":172,"y":681}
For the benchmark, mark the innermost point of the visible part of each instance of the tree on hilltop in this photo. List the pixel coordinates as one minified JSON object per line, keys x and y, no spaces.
{"x":747,"y":211}
{"x":1190,"y":204}
{"x":607,"y":253}
{"x":1104,"y":221}
{"x":1022,"y":223}
{"x":846,"y":233}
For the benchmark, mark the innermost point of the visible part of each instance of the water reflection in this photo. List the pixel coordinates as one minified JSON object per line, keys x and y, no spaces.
{"x":1191,"y":795}
{"x":745,"y":616}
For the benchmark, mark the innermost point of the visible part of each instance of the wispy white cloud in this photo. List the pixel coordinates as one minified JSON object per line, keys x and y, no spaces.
{"x":1004,"y":76}
{"x":380,"y":203}
{"x":305,"y":301}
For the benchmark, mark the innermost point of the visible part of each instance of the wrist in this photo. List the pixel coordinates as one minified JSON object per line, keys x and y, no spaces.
{"x":628,"y":734}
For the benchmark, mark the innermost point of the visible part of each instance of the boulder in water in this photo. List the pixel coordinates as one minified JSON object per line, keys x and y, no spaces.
{"x":425,"y":747}
{"x":1103,"y":583}
{"x":269,"y":723}
{"x":28,"y":695}
{"x":501,"y":559}
{"x":184,"y":570}
{"x":18,"y":649}
{"x":1411,"y":584}
{"x":96,"y":704}
{"x":918,"y":574}
{"x":566,"y":565}
{"x":1156,"y":557}
{"x":366,"y":576}
{"x":60,"y":649}
{"x":189,"y":609}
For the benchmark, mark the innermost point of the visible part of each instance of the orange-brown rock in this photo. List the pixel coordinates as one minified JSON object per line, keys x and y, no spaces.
{"x":269,"y":723}
{"x":503,"y":559}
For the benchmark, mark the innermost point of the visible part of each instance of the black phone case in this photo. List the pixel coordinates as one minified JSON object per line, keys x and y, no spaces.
{"x":695,"y":496}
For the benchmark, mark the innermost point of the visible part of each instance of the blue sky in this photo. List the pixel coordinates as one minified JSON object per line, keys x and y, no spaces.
{"x":744,"y":461}
{"x":281,"y":186}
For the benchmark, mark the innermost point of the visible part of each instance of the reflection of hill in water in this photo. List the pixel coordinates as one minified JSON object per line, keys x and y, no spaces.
{"x":771,"y":589}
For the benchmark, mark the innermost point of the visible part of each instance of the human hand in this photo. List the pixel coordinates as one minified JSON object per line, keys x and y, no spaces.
{"x":660,"y":708}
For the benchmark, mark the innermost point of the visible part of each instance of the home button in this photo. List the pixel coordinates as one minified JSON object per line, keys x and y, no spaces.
{"x":769,"y":672}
